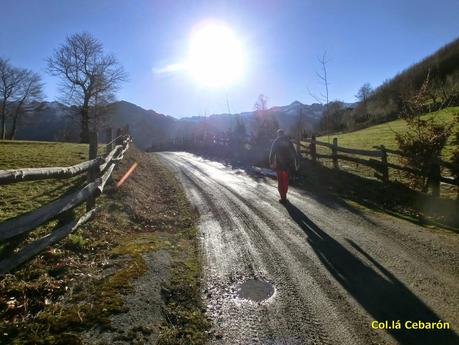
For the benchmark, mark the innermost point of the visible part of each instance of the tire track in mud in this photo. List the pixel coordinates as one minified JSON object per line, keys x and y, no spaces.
{"x":306,"y":323}
{"x":221,"y":285}
{"x":241,"y":240}
{"x":252,"y":229}
{"x":403,"y":252}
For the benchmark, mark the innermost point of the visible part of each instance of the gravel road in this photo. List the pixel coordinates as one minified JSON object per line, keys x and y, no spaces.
{"x":334,"y":268}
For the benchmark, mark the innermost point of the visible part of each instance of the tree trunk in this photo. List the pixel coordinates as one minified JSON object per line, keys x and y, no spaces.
{"x":84,"y":134}
{"x":15,"y":120}
{"x":3,"y":127}
{"x":3,"y":120}
{"x":13,"y":126}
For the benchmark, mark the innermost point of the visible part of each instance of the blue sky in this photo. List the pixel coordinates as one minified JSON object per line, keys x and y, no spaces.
{"x":366,"y":41}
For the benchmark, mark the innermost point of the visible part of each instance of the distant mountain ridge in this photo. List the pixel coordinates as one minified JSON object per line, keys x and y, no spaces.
{"x":285,"y":115}
{"x":52,"y":122}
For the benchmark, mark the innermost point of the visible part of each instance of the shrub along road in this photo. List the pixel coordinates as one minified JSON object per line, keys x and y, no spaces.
{"x":335,"y":268}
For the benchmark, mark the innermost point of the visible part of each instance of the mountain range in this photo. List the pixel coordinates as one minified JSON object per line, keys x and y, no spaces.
{"x":51,"y":121}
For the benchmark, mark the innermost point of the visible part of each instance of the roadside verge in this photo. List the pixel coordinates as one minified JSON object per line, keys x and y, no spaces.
{"x":130,"y":276}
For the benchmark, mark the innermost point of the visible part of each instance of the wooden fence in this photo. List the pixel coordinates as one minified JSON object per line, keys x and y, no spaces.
{"x":377,"y":160}
{"x":14,"y":231}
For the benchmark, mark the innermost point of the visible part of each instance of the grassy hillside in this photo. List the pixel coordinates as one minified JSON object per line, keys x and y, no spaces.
{"x":436,"y":75}
{"x":442,"y":70}
{"x":384,"y":134}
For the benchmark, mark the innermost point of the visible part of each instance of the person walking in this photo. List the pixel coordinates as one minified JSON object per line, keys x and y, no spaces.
{"x":283,"y":159}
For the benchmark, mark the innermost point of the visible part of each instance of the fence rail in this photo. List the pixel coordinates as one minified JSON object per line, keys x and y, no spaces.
{"x":380,"y":166}
{"x":13,"y":231}
{"x":35,"y":174}
{"x":377,"y":159}
{"x":371,"y":153}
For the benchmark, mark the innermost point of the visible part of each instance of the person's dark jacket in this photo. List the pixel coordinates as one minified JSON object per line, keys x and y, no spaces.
{"x":283,"y":154}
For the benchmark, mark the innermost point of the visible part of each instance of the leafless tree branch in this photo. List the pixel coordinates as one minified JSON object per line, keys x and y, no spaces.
{"x":89,"y":78}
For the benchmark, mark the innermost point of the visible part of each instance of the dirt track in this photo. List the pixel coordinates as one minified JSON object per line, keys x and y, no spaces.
{"x":335,"y":268}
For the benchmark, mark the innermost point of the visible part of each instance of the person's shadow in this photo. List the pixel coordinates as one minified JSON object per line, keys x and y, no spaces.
{"x":382,"y":295}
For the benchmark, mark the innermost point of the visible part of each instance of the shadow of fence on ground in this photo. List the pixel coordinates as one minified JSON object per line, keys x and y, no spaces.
{"x":378,"y":291}
{"x":391,"y":197}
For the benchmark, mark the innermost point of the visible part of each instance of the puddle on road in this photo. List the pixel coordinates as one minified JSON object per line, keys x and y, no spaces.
{"x":256,"y":290}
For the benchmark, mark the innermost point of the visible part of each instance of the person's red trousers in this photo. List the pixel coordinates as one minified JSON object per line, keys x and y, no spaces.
{"x":282,"y":183}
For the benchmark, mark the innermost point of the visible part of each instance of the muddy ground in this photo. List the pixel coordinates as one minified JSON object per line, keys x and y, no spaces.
{"x":335,"y":268}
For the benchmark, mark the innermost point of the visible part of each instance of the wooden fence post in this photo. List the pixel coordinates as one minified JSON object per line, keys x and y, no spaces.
{"x":434,"y":178}
{"x":298,"y":146}
{"x":335,"y":153}
{"x":119,"y":133}
{"x":384,"y":166}
{"x":109,"y":138}
{"x":312,"y":148}
{"x":92,"y":173}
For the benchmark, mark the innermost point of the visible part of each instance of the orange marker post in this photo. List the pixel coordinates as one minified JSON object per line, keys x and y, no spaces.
{"x":127,"y":174}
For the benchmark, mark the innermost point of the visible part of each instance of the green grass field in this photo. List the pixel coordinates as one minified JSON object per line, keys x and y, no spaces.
{"x":28,"y":154}
{"x":50,"y":302}
{"x":384,"y":134}
{"x":21,"y":197}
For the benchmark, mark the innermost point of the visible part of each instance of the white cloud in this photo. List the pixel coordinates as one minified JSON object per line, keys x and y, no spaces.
{"x":171,"y":68}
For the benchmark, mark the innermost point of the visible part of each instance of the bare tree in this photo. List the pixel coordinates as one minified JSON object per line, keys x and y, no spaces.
{"x":299,"y":125}
{"x":324,"y":77}
{"x":10,"y":79}
{"x":443,"y":91}
{"x":18,"y":88}
{"x":30,"y":89}
{"x":89,"y":77}
{"x":265,"y":123}
{"x":261,"y":104}
{"x":323,"y":97}
{"x":423,"y":140}
{"x":364,"y":93}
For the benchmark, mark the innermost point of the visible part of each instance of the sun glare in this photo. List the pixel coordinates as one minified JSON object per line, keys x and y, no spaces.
{"x":215,"y":56}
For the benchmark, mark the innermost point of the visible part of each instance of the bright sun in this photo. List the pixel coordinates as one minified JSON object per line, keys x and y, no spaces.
{"x":215,"y":56}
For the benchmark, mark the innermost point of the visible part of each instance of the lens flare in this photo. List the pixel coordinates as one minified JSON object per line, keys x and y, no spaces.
{"x":127,"y":174}
{"x":215,"y":56}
